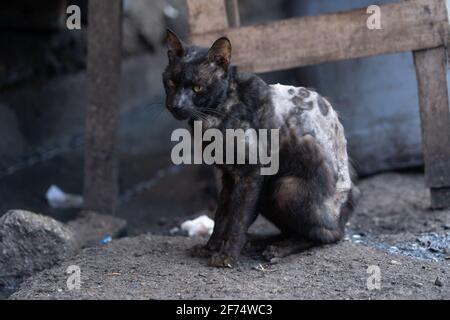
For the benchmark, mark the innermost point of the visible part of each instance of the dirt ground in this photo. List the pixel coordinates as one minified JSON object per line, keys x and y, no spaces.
{"x":392,"y":229}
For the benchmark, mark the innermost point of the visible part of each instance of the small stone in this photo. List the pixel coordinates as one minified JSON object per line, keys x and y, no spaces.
{"x":394,"y":262}
{"x":438,"y":282}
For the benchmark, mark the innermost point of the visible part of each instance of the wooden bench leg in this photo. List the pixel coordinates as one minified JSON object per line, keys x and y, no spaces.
{"x":431,"y":69}
{"x":102,"y":113}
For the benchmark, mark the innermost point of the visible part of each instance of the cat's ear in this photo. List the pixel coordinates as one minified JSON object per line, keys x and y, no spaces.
{"x":175,"y":48}
{"x":220,"y":52}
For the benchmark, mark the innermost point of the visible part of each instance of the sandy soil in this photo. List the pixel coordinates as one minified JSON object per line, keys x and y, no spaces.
{"x":387,"y":231}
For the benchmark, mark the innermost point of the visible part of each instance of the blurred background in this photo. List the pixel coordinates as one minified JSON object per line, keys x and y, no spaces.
{"x":43,"y":96}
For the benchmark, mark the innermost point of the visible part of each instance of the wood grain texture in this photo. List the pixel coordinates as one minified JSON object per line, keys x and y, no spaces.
{"x":207,"y":15}
{"x":406,"y":26}
{"x":431,"y":69}
{"x":102,"y":113}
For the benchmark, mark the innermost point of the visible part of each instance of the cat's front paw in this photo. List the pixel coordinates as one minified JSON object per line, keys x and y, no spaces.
{"x":221,"y":260}
{"x":201,"y":251}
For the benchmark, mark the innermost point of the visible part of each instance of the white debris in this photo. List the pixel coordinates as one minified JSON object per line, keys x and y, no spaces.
{"x":200,"y":226}
{"x":171,"y":12}
{"x":58,"y":199}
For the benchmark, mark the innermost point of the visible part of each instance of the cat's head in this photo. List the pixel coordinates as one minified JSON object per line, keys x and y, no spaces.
{"x":196,"y":79}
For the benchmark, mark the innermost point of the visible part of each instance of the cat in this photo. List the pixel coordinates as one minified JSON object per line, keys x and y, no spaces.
{"x":311,"y":197}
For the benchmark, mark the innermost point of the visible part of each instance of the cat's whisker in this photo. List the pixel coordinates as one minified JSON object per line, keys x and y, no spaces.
{"x":199,"y":115}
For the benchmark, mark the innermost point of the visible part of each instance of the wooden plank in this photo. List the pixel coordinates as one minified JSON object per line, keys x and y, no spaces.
{"x":102,"y":113}
{"x":406,"y":26}
{"x":207,"y":15}
{"x":431,"y":69}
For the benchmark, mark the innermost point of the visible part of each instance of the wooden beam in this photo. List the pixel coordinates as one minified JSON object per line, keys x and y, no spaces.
{"x":207,"y":15}
{"x":406,"y":26}
{"x":431,"y":69}
{"x":102,"y":113}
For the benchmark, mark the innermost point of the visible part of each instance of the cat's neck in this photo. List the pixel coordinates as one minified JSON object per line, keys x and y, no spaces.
{"x":245,"y":94}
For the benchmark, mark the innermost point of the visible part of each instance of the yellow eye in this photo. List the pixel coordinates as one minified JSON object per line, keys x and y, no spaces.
{"x":197,"y":89}
{"x":171,"y":83}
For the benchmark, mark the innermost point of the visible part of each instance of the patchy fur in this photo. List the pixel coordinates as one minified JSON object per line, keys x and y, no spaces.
{"x":310,"y":198}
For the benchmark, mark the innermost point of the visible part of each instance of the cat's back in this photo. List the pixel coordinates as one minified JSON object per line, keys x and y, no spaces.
{"x":252,"y":90}
{"x":307,"y":112}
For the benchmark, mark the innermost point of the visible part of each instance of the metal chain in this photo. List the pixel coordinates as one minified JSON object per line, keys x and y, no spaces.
{"x":41,"y":154}
{"x":49,"y":152}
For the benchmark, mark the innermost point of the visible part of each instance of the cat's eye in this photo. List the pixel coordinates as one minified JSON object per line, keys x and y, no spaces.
{"x":171,"y":83}
{"x":197,"y":89}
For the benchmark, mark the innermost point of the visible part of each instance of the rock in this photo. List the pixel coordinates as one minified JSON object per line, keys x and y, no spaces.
{"x":438,"y":282}
{"x":31,"y":242}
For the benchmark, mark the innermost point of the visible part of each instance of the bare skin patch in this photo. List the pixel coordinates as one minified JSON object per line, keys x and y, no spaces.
{"x":323,"y":106}
{"x":298,"y":101}
{"x":304,"y":93}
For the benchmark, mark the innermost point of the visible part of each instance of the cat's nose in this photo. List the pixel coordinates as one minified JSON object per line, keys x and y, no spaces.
{"x":179,"y":112}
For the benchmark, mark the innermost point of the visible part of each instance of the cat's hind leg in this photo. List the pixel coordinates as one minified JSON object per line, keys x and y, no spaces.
{"x":304,"y":201}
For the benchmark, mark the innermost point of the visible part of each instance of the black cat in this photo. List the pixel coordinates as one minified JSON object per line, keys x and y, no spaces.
{"x":310,"y":198}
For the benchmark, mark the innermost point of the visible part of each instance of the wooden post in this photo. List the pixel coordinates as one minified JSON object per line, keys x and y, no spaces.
{"x":234,"y":19}
{"x":102,"y":113}
{"x":431,"y":68}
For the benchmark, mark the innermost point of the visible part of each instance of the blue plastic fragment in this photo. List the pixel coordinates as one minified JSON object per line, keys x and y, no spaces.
{"x":106,"y":239}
